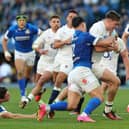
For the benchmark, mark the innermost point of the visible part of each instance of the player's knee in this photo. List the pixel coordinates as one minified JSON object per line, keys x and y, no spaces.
{"x":20,"y":74}
{"x":117,"y":82}
{"x":71,"y":107}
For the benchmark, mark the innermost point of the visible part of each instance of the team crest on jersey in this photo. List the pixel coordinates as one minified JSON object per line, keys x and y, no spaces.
{"x":84,"y":81}
{"x":27,"y":31}
{"x":66,"y":66}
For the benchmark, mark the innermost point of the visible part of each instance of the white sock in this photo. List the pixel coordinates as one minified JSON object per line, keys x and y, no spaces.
{"x":48,"y":108}
{"x":57,"y":100}
{"x":108,"y":106}
{"x":56,"y":88}
{"x":83,"y":114}
{"x":30,"y":96}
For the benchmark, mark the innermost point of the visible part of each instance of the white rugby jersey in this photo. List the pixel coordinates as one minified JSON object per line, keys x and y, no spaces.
{"x":110,"y":59}
{"x":46,"y":39}
{"x":98,"y":30}
{"x":63,"y":34}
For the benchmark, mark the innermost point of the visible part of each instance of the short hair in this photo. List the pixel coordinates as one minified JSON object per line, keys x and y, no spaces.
{"x":54,"y":16}
{"x":3,"y":91}
{"x":76,"y":21}
{"x":21,"y":16}
{"x":72,"y":11}
{"x":113,"y":15}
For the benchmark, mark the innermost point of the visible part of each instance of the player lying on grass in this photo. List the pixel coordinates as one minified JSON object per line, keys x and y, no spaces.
{"x":5,"y":97}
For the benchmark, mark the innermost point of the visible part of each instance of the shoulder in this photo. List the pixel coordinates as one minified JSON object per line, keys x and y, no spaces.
{"x":31,"y":26}
{"x":13,"y":28}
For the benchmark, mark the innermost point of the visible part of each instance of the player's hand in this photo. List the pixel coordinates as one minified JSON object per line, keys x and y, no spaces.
{"x":7,"y":55}
{"x":111,"y":41}
{"x":42,"y":52}
{"x":68,"y":41}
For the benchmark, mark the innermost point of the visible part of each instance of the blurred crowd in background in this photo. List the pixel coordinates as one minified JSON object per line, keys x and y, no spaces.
{"x":39,"y":11}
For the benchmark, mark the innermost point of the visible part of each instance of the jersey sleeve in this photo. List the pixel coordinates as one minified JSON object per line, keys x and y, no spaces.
{"x":121,"y":45}
{"x":95,"y":30}
{"x":39,"y":41}
{"x":34,"y":29}
{"x":92,"y":39}
{"x":9,"y":33}
{"x":127,"y":29}
{"x":2,"y":110}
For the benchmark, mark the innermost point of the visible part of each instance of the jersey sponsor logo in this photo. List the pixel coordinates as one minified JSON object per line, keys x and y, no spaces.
{"x":22,"y":38}
{"x":108,"y":55}
{"x":27,"y":31}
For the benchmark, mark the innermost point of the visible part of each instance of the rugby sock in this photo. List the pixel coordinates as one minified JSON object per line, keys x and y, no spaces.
{"x":54,"y":94}
{"x":22,"y":85}
{"x":108,"y":107}
{"x":30,"y":96}
{"x":92,"y":105}
{"x":59,"y":106}
{"x":78,"y":109}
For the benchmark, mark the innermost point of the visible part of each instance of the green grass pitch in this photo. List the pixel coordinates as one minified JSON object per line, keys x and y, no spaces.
{"x":62,"y":119}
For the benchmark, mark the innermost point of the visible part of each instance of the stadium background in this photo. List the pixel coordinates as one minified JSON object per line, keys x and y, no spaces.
{"x":39,"y":11}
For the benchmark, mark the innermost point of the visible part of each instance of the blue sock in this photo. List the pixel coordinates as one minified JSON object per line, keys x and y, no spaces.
{"x":22,"y":85}
{"x":92,"y":105}
{"x":59,"y":106}
{"x":53,"y":96}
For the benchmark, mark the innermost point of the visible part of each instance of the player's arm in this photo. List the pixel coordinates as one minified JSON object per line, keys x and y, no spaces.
{"x":5,"y":49}
{"x":60,"y":43}
{"x":103,"y":49}
{"x":125,"y":59}
{"x":17,"y":116}
{"x":107,"y":42}
{"x":126,"y":34}
{"x":125,"y":37}
{"x":39,"y":44}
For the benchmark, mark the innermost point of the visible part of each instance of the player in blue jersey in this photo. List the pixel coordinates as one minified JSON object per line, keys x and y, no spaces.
{"x":5,"y":97}
{"x":23,"y":33}
{"x":81,"y":79}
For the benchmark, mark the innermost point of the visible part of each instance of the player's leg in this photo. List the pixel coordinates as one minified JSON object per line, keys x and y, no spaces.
{"x":112,"y":83}
{"x":20,"y":68}
{"x":90,"y":85}
{"x":63,"y":95}
{"x":45,"y":77}
{"x":57,"y":86}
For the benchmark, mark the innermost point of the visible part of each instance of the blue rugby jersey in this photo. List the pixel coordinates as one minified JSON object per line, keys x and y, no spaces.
{"x":23,"y":37}
{"x":82,"y":48}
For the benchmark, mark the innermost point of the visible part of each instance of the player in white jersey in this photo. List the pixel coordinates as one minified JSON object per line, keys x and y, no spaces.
{"x":104,"y":69}
{"x":44,"y":45}
{"x":81,"y":79}
{"x":63,"y":60}
{"x":126,"y":34}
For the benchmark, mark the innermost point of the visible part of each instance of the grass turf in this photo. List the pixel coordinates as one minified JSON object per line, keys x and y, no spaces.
{"x":62,"y":119}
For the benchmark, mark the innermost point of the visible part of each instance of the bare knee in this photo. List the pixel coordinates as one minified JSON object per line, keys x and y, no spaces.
{"x":71,"y":107}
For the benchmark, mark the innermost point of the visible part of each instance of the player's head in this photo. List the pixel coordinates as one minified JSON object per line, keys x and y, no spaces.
{"x":54,"y":22}
{"x":21,"y":20}
{"x":4,"y":94}
{"x":70,"y":15}
{"x":113,"y":20}
{"x":79,"y":23}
